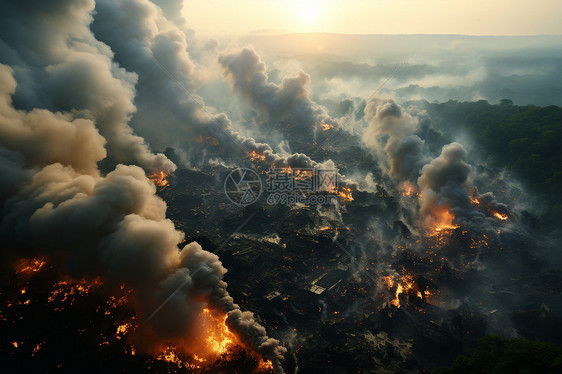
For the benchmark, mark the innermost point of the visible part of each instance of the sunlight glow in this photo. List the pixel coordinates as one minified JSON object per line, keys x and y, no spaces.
{"x":308,"y":10}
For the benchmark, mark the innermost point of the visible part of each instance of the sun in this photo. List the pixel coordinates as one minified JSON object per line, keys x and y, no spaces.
{"x":308,"y":11}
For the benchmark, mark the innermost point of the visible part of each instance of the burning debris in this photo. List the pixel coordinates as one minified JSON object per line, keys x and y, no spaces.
{"x":83,"y":302}
{"x":160,"y":179}
{"x":128,"y":263}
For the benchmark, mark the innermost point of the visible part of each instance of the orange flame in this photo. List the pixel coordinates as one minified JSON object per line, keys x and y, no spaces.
{"x":326,"y":126}
{"x":408,"y":189}
{"x":406,"y":284}
{"x":266,"y":366}
{"x":160,"y":179}
{"x":474,"y":200}
{"x":501,"y":216}
{"x":255,"y":156}
{"x":219,"y":337}
{"x":442,"y":220}
{"x":345,"y":194}
{"x":29,"y":266}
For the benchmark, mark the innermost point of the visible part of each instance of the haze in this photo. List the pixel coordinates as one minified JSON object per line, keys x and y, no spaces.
{"x":479,"y":17}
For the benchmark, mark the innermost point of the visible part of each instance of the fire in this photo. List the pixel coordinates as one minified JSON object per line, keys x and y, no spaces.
{"x":442,"y":220}
{"x":326,"y":126}
{"x":408,"y":189}
{"x":219,"y":338}
{"x":67,"y":295}
{"x":68,"y":290}
{"x":345,"y":194}
{"x":474,"y":200}
{"x":389,"y":281}
{"x":501,"y":216}
{"x":255,"y":156}
{"x":406,"y":284}
{"x":303,"y":174}
{"x":123,"y":330}
{"x":266,"y":366}
{"x":30,"y":266}
{"x":170,"y":355}
{"x":160,"y":179}
{"x":216,"y":341}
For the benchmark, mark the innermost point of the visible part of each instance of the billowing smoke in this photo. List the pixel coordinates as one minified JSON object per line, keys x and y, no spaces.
{"x":284,"y":104}
{"x":444,"y":181}
{"x":55,"y":200}
{"x":390,"y":123}
{"x":62,"y":67}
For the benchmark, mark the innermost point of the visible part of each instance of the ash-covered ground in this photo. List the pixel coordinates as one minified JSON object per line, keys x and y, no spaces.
{"x":324,"y":279}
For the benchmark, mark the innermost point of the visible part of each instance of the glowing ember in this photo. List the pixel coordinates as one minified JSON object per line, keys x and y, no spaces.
{"x":442,"y":220}
{"x":160,"y":179}
{"x":266,"y":365}
{"x":302,"y":174}
{"x":30,"y":266}
{"x":170,"y":355}
{"x":67,"y":290}
{"x":501,"y":216}
{"x":345,"y":194}
{"x":326,"y":126}
{"x":255,"y":156}
{"x":389,"y":281}
{"x":123,"y":330}
{"x":408,"y":189}
{"x":405,"y":285}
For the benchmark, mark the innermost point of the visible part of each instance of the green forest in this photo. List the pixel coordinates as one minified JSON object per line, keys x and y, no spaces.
{"x":494,"y":355}
{"x":526,"y":140}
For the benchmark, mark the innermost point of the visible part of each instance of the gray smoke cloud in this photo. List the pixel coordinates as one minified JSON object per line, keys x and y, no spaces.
{"x":284,"y":104}
{"x":43,"y":137}
{"x":62,"y":67}
{"x":445,"y":184}
{"x":444,"y":180}
{"x":392,"y":126}
{"x":56,"y":202}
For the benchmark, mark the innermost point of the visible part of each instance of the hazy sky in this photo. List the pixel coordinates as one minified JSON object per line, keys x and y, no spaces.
{"x":473,"y":17}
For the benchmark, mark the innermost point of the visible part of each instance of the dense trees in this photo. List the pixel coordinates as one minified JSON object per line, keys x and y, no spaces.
{"x":494,"y":355}
{"x":526,"y":140}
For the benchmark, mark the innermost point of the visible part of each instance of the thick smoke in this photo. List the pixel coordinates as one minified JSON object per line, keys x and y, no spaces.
{"x":56,"y":202}
{"x":284,"y":104}
{"x":43,"y":137}
{"x":62,"y":67}
{"x":444,"y":181}
{"x":390,"y":123}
